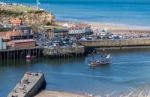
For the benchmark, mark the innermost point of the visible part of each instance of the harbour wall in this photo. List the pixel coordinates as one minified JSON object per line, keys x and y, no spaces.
{"x":20,"y":53}
{"x":117,"y":43}
{"x":64,"y":51}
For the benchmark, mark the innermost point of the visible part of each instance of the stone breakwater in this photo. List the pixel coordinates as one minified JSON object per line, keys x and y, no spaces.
{"x":30,"y":85}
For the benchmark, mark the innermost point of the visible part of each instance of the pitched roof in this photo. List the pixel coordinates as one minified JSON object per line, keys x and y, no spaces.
{"x":15,"y":21}
{"x":6,"y":35}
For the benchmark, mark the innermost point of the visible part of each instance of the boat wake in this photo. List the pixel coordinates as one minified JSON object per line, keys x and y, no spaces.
{"x":112,"y":78}
{"x":80,"y":74}
{"x":131,"y":62}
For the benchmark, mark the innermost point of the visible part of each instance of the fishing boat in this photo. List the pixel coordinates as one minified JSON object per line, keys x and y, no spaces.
{"x":105,"y":60}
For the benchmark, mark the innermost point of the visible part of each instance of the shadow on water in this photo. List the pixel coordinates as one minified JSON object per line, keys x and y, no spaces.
{"x":61,"y":61}
{"x":17,"y":62}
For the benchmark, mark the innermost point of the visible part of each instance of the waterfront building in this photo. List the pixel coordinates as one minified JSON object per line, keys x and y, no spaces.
{"x":80,"y":29}
{"x":25,"y":29}
{"x":21,"y":44}
{"x":60,"y":32}
{"x":19,"y":37}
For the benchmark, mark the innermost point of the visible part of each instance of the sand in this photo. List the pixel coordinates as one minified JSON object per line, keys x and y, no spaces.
{"x":96,"y":25}
{"x":118,"y":29}
{"x":46,"y":93}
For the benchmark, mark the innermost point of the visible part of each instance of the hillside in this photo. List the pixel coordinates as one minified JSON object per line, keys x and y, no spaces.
{"x":29,"y":15}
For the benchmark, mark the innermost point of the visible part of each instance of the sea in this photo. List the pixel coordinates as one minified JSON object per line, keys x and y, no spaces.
{"x":130,"y":69}
{"x":124,"y":12}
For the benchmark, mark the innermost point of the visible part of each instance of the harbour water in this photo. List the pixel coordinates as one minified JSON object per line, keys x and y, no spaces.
{"x":129,"y":70}
{"x":127,"y":12}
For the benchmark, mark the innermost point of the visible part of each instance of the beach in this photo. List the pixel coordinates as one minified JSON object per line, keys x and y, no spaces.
{"x":128,"y":31}
{"x":118,"y":29}
{"x":46,"y":93}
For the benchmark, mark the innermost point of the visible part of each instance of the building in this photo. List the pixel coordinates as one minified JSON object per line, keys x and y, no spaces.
{"x":18,"y":33}
{"x":25,"y":29}
{"x":16,"y":22}
{"x":21,"y":44}
{"x":20,"y":37}
{"x":60,"y":32}
{"x":80,"y":29}
{"x":7,"y":35}
{"x":56,"y":32}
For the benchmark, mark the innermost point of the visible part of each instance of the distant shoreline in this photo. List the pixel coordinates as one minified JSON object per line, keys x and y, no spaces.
{"x":107,"y":24}
{"x":121,"y":24}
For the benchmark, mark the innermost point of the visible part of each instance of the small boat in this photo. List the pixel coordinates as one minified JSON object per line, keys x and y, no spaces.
{"x":104,"y":61}
{"x":28,"y":57}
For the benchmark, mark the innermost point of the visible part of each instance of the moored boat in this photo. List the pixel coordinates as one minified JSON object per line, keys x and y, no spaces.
{"x":29,"y":57}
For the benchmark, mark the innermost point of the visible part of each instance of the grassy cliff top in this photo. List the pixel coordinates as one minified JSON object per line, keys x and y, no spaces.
{"x":29,"y":15}
{"x":17,"y":8}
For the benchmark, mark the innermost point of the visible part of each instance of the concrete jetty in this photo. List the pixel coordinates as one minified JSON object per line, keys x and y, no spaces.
{"x":30,"y":85}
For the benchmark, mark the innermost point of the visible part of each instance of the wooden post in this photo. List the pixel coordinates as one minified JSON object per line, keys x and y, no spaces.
{"x":17,"y":55}
{"x":7,"y":54}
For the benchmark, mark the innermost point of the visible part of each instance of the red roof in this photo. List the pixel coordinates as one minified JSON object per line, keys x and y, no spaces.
{"x":15,"y":21}
{"x":14,"y":33}
{"x":7,"y":35}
